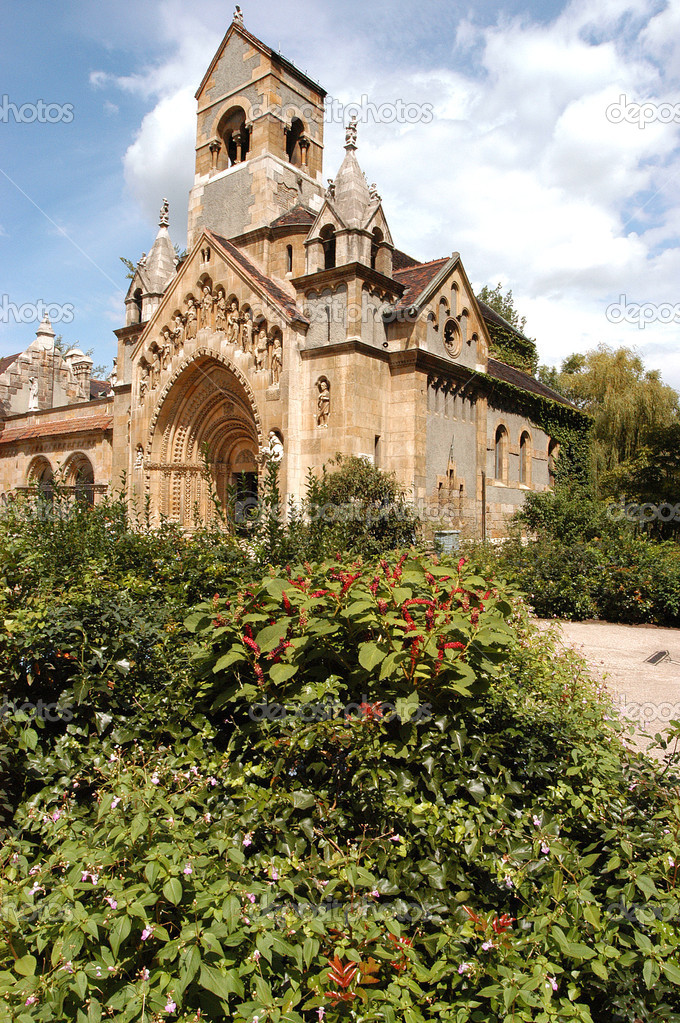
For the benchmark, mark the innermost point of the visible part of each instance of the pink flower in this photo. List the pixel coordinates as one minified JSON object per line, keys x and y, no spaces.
{"x":553,"y":983}
{"x":212,"y":782}
{"x":112,"y":902}
{"x":35,"y":870}
{"x":170,"y":1005}
{"x":155,"y":780}
{"x":375,"y":893}
{"x":251,"y":898}
{"x":537,"y":821}
{"x":256,"y":956}
{"x":114,"y":802}
{"x":275,"y":874}
{"x":395,"y":838}
{"x":545,"y":848}
{"x":31,"y":1000}
{"x":56,"y":815}
{"x":68,"y":967}
{"x":146,"y":933}
{"x":248,"y":838}
{"x":465,"y":968}
{"x":486,"y":945}
{"x":188,"y":869}
{"x":144,"y":974}
{"x":321,"y":1012}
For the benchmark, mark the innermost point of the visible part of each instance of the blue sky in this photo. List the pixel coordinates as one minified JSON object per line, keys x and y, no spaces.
{"x":522,"y":168}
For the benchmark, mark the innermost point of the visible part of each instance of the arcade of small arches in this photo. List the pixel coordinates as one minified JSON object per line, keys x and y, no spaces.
{"x":75,"y":477}
{"x":232,"y":140}
{"x":214,"y":311}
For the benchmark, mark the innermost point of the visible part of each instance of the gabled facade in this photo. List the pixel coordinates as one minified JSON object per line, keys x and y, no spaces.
{"x":295,"y":325}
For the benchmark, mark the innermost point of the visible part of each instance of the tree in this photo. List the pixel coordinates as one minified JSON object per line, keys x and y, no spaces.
{"x":627,"y":402}
{"x":503,"y":304}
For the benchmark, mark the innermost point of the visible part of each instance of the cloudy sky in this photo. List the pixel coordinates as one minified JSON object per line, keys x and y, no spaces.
{"x":545,"y":149}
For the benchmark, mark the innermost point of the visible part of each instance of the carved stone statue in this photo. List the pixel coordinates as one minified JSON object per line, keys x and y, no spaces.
{"x":113,"y":378}
{"x":207,"y":303}
{"x":330,"y":191}
{"x":139,"y":457}
{"x":261,"y":349}
{"x":247,"y":332}
{"x":221,"y":311}
{"x":233,"y":324}
{"x":275,"y":446}
{"x":351,"y":133}
{"x":178,"y":332}
{"x":323,"y":404}
{"x":165,"y":352}
{"x":276,"y":360}
{"x":373,"y":191}
{"x":191,"y":318}
{"x":33,"y":394}
{"x":144,"y":380}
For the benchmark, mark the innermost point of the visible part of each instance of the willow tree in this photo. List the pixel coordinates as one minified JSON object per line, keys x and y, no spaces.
{"x":627,"y":402}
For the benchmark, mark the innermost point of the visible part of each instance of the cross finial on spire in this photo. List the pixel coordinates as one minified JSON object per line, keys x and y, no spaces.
{"x":165,"y":210}
{"x":238,"y":16}
{"x":351,"y":133}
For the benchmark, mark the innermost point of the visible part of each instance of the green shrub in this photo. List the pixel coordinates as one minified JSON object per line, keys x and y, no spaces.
{"x":489,"y":852}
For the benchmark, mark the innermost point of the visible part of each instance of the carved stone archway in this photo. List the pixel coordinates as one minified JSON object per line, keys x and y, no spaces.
{"x":205,"y":434}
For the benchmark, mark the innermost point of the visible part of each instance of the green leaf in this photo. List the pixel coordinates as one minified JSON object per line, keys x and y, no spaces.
{"x":672,"y":972}
{"x":220,"y":984}
{"x":370,"y":655}
{"x":25,"y":966}
{"x":303,"y":800}
{"x":172,"y":889}
{"x":280,"y":673}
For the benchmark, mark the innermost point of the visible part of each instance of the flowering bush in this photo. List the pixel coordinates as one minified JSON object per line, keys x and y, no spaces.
{"x":374,"y":793}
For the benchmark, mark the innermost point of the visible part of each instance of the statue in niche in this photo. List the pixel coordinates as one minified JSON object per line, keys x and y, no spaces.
{"x":323,"y":403}
{"x":191,"y":318}
{"x":276,"y":359}
{"x":233,"y":323}
{"x":207,"y":303}
{"x":275,"y":446}
{"x":139,"y":457}
{"x":143,"y":380}
{"x":261,"y":349}
{"x":247,"y":332}
{"x":165,"y":350}
{"x":178,"y":332}
{"x":221,"y":311}
{"x":33,"y":394}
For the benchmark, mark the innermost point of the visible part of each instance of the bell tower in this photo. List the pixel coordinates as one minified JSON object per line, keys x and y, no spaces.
{"x":259,"y":138}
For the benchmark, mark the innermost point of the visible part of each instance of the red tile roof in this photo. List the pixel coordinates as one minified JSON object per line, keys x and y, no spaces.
{"x":298,"y":216}
{"x":277,"y":294}
{"x":416,"y":278}
{"x":56,"y":427}
{"x":501,"y":371}
{"x":99,"y":388}
{"x":7,"y":360}
{"x":401,"y":261}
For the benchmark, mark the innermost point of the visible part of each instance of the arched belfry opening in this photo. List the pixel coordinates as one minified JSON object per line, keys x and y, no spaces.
{"x":204,"y":445}
{"x":234,"y":135}
{"x":329,"y":246}
{"x":294,"y":134}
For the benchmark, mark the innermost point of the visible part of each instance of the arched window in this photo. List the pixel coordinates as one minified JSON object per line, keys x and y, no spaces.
{"x":289,"y":259}
{"x":376,"y":241}
{"x":41,"y":477}
{"x":295,"y":133}
{"x":235,"y":138}
{"x":500,"y":453}
{"x":553,"y":452}
{"x":80,"y":478}
{"x":328,"y":241}
{"x":525,"y":459}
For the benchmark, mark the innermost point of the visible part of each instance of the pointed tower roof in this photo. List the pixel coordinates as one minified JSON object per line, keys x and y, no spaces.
{"x":161,"y":261}
{"x":352,"y":197}
{"x":44,"y":335}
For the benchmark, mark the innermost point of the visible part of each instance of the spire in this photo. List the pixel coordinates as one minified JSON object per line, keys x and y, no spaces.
{"x":159,"y":265}
{"x":351,"y":195}
{"x":45,"y":334}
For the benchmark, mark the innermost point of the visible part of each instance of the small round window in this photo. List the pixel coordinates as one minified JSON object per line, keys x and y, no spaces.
{"x":453,"y":339}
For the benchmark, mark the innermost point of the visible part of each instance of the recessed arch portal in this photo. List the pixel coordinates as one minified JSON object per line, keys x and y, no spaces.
{"x":204,"y":434}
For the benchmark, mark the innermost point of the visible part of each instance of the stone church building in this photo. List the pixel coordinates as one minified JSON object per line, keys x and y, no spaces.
{"x":293,"y":325}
